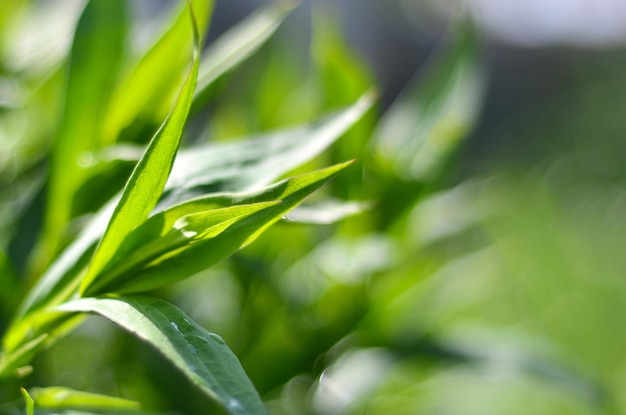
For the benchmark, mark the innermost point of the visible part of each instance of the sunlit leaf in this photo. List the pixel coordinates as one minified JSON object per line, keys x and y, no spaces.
{"x":207,"y":252}
{"x":202,"y":357}
{"x":233,"y":167}
{"x":147,"y":181}
{"x":154,"y":80}
{"x":94,"y":61}
{"x":156,"y":238}
{"x":30,"y":404}
{"x":250,"y":164}
{"x":66,"y":398}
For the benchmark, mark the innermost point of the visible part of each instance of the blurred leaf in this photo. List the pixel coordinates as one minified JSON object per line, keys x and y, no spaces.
{"x":147,"y":181}
{"x":30,"y":404}
{"x":66,"y":398}
{"x":426,"y":123}
{"x":206,"y":253}
{"x":151,"y":85}
{"x":156,"y":238}
{"x":341,"y":76}
{"x":14,"y":364}
{"x":35,"y":36}
{"x":94,"y":60}
{"x":240,"y":42}
{"x":202,"y":357}
{"x":326,"y":211}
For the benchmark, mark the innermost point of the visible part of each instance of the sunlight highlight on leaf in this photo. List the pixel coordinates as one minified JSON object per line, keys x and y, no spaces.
{"x":147,"y":181}
{"x":56,"y":397}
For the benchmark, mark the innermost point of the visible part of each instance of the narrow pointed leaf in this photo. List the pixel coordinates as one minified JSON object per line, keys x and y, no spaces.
{"x":240,"y":42}
{"x":66,"y":398}
{"x":201,"y":356}
{"x":93,"y":64}
{"x":240,"y":166}
{"x":147,"y":181}
{"x":206,"y":253}
{"x":156,"y":238}
{"x":30,"y":403}
{"x":153,"y":80}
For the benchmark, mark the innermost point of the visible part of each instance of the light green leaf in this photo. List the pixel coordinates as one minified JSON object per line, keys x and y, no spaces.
{"x":93,"y":64}
{"x":256,"y":162}
{"x":66,"y":398}
{"x":423,"y":127}
{"x":206,"y":253}
{"x":157,"y":238}
{"x":326,"y":212}
{"x":240,"y":42}
{"x":154,"y":79}
{"x":30,"y":404}
{"x":148,"y":179}
{"x":238,"y":166}
{"x":201,"y":356}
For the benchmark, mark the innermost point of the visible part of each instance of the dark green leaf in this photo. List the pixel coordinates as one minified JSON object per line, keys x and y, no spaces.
{"x":201,"y":356}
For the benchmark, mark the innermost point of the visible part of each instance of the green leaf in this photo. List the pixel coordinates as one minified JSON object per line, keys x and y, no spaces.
{"x":256,"y":162}
{"x":154,"y":79}
{"x":205,"y":253}
{"x":238,"y":166}
{"x":148,"y":179}
{"x":30,"y":404}
{"x":66,"y":398}
{"x":94,"y":60}
{"x":157,"y":237}
{"x":61,"y":278}
{"x":326,"y":212}
{"x":201,"y":356}
{"x":14,"y":364}
{"x":240,"y":42}
{"x":425,"y":125}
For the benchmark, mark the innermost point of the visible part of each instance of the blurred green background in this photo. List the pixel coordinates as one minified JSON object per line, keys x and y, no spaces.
{"x":485,"y":278}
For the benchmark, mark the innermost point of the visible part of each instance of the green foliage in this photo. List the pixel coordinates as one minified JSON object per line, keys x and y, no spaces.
{"x":310,"y":284}
{"x":154,"y":232}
